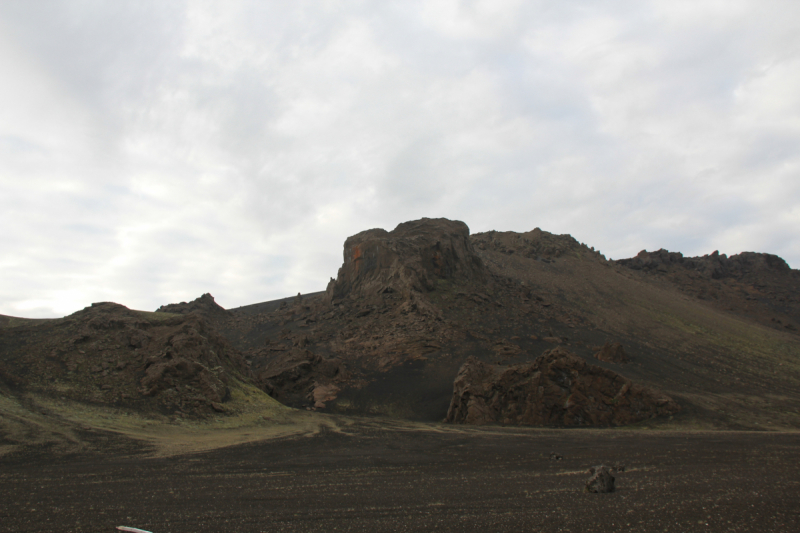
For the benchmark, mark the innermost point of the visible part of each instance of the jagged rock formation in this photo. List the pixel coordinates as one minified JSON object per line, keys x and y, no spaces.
{"x":535,"y":244}
{"x":411,"y":305}
{"x":376,"y":316}
{"x":557,"y":389}
{"x":757,"y":285}
{"x":411,"y":258}
{"x":109,"y":354}
{"x":204,"y":305}
{"x":714,"y":266}
{"x":302,"y":375}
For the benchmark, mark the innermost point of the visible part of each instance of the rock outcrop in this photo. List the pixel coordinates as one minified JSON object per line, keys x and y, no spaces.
{"x":535,"y":244}
{"x":756,"y":285}
{"x":411,"y":258}
{"x":109,"y":354}
{"x":715,"y":265}
{"x":204,"y":305}
{"x":302,"y":376}
{"x":557,"y":389}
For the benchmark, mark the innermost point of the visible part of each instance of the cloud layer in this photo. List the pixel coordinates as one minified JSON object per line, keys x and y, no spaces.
{"x":150,"y":152}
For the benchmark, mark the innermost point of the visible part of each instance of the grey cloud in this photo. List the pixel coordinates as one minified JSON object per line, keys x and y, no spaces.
{"x":171,"y":149}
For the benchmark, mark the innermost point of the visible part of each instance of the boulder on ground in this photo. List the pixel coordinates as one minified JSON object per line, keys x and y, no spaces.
{"x":602,"y":480}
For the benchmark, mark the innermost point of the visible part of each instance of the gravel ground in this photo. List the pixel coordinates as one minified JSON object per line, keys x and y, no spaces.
{"x":436,"y":479}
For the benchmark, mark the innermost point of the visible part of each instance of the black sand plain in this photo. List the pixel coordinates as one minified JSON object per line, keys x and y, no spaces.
{"x":387,"y":476}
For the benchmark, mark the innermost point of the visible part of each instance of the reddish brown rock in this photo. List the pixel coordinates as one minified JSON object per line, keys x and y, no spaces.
{"x":412,"y":257}
{"x":557,"y":389}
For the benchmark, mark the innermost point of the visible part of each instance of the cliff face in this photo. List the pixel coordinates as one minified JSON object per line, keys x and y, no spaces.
{"x":411,"y":258}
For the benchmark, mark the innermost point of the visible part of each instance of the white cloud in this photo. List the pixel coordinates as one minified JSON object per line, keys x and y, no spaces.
{"x":160,"y":150}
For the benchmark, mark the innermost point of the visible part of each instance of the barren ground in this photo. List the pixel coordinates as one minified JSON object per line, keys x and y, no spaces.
{"x":383,"y":475}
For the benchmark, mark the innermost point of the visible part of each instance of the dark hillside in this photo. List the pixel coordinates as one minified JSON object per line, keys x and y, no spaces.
{"x":409,"y":307}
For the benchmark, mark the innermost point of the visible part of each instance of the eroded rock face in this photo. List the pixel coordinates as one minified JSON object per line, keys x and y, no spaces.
{"x":412,"y":257}
{"x":302,"y":375}
{"x":192,"y":361}
{"x":557,"y":389}
{"x":109,"y":354}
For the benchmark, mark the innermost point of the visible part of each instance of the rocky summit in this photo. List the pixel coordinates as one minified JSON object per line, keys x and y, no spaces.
{"x":413,"y":258}
{"x":429,"y":322}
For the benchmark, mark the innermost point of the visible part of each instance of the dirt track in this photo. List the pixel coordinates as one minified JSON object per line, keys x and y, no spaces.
{"x":438,"y":479}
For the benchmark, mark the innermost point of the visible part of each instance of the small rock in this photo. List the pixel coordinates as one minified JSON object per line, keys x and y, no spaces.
{"x":555,"y":457}
{"x":602,"y":481}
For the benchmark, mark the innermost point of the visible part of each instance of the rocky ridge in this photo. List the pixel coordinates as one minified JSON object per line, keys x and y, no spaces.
{"x":410,"y":306}
{"x":759,"y":286}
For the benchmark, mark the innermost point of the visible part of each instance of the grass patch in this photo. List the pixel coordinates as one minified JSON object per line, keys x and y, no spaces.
{"x":156,"y":316}
{"x":251,"y":416}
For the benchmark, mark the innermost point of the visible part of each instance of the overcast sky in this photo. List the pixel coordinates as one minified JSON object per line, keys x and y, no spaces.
{"x":154,"y":151}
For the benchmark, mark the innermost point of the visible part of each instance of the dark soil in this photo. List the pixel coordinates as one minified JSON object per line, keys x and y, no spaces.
{"x":433,"y":478}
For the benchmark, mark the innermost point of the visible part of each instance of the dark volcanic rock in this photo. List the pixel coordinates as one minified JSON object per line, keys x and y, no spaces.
{"x":714,"y":266}
{"x":557,"y":389}
{"x":408,"y":309}
{"x":534,"y":244}
{"x":756,"y":285}
{"x":611,"y":352}
{"x":412,"y":257}
{"x":602,"y":480}
{"x":109,"y":354}
{"x":301,"y":376}
{"x":204,"y":305}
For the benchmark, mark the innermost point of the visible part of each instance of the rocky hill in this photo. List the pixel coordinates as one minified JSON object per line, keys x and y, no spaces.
{"x":756,"y":286}
{"x":110,"y":355}
{"x":426,"y":320}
